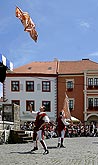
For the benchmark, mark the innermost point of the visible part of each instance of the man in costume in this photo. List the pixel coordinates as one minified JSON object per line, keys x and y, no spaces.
{"x":61,"y":128}
{"x":42,"y":120}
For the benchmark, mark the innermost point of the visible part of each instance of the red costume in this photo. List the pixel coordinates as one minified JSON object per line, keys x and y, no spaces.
{"x":40,"y":124}
{"x":39,"y":120}
{"x":61,"y":125}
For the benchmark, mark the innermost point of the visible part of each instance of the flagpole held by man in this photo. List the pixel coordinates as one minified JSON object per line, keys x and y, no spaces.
{"x":62,"y":121}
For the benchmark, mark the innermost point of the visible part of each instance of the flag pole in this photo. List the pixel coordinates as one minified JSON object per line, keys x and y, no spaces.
{"x":66,"y":110}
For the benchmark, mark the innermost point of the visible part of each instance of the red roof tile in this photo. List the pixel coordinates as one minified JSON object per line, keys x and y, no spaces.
{"x":75,"y":67}
{"x":65,"y":67}
{"x":38,"y":67}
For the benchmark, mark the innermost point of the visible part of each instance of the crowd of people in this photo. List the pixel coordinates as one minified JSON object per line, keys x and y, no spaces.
{"x":75,"y":130}
{"x":81,"y":130}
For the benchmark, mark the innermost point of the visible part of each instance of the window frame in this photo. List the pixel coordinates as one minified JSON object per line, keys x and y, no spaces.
{"x":90,"y":105}
{"x":28,"y":102}
{"x":95,"y":102}
{"x":71,"y":104}
{"x":13,"y":102}
{"x":31,"y":90}
{"x":96,"y":81}
{"x":92,"y":82}
{"x":44,"y":103}
{"x":69,"y":84}
{"x":15,"y":85}
{"x":46,"y":86}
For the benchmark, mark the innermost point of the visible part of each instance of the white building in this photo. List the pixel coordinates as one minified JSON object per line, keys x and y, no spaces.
{"x":35,"y":84}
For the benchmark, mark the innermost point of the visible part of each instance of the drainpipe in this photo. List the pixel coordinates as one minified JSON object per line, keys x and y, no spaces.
{"x":85,"y":96}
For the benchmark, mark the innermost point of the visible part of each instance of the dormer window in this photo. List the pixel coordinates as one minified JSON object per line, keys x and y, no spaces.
{"x":49,"y":68}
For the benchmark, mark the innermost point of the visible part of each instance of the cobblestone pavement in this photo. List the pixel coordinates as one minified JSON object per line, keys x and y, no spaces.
{"x":78,"y":151}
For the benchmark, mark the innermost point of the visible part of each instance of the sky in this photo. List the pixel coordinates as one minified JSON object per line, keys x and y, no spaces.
{"x":67,"y":30}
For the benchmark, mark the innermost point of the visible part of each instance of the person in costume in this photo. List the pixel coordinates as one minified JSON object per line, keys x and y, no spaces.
{"x":41,"y":121}
{"x":61,"y":128}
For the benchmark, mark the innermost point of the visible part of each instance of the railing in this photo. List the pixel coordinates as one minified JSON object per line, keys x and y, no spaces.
{"x":92,"y":87}
{"x":4,"y":134}
{"x":6,"y":125}
{"x":92,"y":108}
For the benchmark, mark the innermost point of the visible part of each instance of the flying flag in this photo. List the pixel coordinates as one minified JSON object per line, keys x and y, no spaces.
{"x":27,"y":22}
{"x":66,"y":108}
{"x":34,"y":35}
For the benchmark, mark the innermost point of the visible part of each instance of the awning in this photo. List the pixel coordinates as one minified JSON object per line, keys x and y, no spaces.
{"x":74,"y":120}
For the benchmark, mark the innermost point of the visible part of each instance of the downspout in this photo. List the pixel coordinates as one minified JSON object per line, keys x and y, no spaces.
{"x":85,"y":96}
{"x":57,"y":72}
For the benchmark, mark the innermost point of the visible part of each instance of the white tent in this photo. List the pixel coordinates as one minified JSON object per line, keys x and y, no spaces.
{"x":74,"y":120}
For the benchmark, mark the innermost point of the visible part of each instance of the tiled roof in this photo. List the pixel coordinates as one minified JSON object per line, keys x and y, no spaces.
{"x":64,"y":67}
{"x":71,"y":67}
{"x":38,"y":67}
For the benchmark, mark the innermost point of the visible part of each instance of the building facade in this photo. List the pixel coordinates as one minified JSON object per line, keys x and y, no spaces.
{"x":79,"y":80}
{"x":91,"y":95}
{"x":46,"y":83}
{"x":33,"y":84}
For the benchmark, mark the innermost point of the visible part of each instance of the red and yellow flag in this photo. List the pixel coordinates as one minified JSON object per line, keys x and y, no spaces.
{"x":66,"y":108}
{"x":27,"y":22}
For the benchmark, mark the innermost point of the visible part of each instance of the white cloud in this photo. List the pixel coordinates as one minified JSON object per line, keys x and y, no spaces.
{"x":93,"y":54}
{"x":85,"y":24}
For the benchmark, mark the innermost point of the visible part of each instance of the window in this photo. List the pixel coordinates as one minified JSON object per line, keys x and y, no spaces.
{"x":14,"y":85}
{"x":95,"y":102}
{"x":45,"y":86}
{"x":47,"y":105}
{"x":96,"y":81}
{"x":71,"y":105}
{"x":17,"y":102}
{"x":90,"y":81}
{"x":28,"y":103}
{"x":90,"y":103}
{"x":29,"y":86}
{"x":93,"y":83}
{"x":69,"y":85}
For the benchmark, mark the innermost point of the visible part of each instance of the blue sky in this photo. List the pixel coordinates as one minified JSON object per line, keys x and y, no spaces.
{"x":67,"y":30}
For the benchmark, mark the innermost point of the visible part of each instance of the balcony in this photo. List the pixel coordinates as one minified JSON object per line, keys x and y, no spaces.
{"x":92,"y":87}
{"x":95,"y":86}
{"x":91,"y":108}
